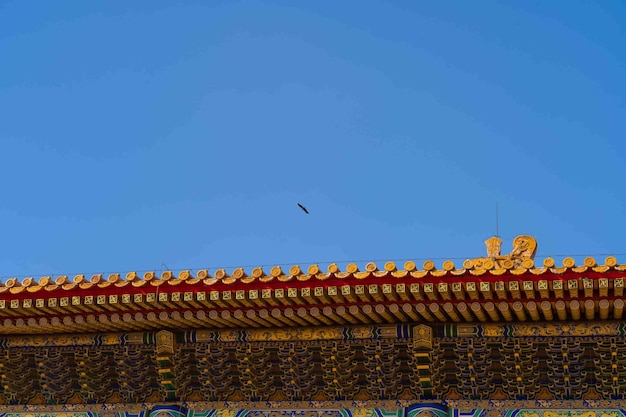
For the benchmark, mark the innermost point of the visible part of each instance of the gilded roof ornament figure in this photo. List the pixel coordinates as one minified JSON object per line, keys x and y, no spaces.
{"x":522,"y":255}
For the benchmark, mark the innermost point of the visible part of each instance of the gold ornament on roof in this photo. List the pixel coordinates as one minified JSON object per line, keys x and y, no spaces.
{"x":522,"y":255}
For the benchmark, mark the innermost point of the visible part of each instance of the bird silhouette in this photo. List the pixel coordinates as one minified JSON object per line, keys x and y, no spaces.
{"x":303,"y":208}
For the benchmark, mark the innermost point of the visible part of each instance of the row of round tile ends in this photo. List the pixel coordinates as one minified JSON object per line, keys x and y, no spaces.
{"x":481,"y":264}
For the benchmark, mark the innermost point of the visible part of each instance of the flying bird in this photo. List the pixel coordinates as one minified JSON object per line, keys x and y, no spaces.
{"x":303,"y":208}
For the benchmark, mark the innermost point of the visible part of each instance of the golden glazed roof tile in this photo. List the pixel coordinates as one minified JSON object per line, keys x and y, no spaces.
{"x":304,"y":296}
{"x":240,"y":276}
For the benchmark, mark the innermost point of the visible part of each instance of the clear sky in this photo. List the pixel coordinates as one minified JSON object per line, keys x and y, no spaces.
{"x":182,"y":134}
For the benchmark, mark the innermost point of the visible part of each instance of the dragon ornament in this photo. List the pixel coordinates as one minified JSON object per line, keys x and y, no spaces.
{"x":522,"y":255}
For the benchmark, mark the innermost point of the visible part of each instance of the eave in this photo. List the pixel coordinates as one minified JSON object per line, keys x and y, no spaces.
{"x":478,"y":292}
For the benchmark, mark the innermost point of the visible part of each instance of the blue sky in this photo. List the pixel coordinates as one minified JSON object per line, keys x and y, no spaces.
{"x":141,"y":135}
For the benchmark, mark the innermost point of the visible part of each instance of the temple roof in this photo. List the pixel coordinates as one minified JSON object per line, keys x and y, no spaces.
{"x":492,"y":289}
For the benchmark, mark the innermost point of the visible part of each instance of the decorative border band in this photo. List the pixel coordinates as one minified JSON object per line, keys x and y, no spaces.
{"x":566,"y":329}
{"x":344,"y":333}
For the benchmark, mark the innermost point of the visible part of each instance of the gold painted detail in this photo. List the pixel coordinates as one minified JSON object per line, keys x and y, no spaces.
{"x":567,"y":329}
{"x":165,"y":342}
{"x":109,"y":339}
{"x":422,"y":337}
{"x":575,"y":407}
{"x":387,"y":408}
{"x":297,"y":334}
{"x":568,"y":413}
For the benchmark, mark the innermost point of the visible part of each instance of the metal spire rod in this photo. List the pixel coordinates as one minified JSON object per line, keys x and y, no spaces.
{"x":497,"y":219}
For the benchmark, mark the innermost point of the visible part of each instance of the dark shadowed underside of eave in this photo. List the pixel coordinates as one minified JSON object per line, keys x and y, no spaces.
{"x":572,"y":361}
